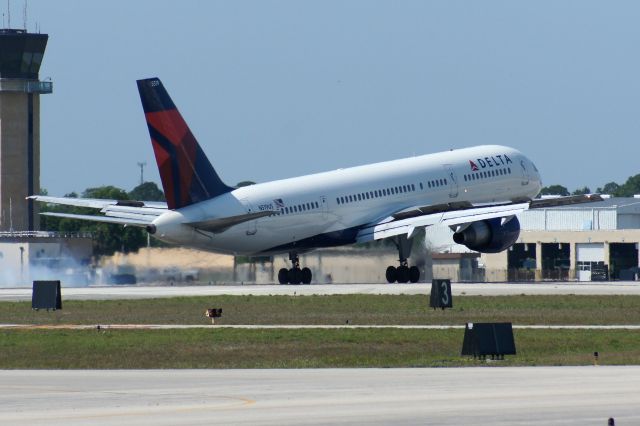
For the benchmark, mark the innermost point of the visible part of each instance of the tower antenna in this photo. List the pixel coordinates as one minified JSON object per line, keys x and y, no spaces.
{"x":24,"y":16}
{"x":9,"y":14}
{"x":141,"y":165}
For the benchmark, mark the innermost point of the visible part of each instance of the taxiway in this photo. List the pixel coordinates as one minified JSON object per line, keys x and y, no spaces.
{"x":438,"y":396}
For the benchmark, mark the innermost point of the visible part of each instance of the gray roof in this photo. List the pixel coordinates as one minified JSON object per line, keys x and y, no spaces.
{"x":630,"y":203}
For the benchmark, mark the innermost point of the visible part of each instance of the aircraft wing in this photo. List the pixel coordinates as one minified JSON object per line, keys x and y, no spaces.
{"x":459,"y":215}
{"x":125,"y":212}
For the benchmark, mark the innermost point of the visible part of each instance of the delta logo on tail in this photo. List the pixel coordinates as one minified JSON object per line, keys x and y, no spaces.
{"x":493,"y":161}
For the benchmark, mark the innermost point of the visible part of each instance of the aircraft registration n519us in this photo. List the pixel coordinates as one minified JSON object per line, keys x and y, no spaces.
{"x":476,"y":191}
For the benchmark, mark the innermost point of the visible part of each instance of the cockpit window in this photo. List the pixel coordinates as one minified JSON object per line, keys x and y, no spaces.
{"x":534,"y":167}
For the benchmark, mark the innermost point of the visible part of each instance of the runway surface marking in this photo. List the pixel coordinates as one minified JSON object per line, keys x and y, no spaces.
{"x":458,"y":289}
{"x":294,"y":327}
{"x":175,"y":405}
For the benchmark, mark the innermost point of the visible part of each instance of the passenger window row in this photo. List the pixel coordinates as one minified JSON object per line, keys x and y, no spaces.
{"x":436,"y":183}
{"x":314,"y":205}
{"x":487,"y":174}
{"x":376,"y":194}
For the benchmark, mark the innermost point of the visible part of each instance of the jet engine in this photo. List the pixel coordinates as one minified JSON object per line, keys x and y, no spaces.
{"x":489,"y":236}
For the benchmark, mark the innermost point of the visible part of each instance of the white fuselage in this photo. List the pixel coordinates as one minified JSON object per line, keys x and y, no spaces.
{"x":326,"y":209}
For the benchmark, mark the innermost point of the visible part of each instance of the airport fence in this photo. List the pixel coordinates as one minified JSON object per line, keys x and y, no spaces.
{"x":44,"y":234}
{"x":481,"y":275}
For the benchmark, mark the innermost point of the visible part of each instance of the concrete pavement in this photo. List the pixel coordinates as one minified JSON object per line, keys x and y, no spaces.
{"x":437,"y":396}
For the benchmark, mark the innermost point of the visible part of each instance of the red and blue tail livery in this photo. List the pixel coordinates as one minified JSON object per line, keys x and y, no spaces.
{"x":187,"y":175}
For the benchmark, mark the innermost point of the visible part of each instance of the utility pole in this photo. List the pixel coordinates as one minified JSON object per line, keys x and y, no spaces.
{"x":141,"y":165}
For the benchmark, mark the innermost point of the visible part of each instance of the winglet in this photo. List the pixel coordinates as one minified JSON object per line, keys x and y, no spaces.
{"x":187,"y":175}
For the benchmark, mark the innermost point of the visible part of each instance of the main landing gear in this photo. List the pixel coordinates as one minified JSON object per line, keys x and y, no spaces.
{"x":403,"y":273}
{"x":295,"y":275}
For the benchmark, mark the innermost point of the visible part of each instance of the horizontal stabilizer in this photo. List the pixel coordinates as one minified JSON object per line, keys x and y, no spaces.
{"x":97,"y":203}
{"x":127,"y":212}
{"x":105,"y":219}
{"x":222,"y":224}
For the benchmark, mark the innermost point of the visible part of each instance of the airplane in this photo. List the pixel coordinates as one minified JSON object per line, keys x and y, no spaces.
{"x":476,"y":191}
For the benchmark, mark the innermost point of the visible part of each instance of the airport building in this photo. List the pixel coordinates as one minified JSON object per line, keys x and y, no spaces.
{"x":21,"y":55}
{"x":25,"y":252}
{"x":44,"y":255}
{"x":595,"y":241}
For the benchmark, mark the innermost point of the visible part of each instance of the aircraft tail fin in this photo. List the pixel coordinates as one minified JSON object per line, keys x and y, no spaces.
{"x":187,"y":175}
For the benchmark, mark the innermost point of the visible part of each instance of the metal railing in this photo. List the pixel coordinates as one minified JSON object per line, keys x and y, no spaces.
{"x":25,"y":86}
{"x":44,"y":234}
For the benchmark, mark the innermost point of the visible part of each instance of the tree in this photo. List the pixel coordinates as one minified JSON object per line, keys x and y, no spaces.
{"x":108,"y":192}
{"x":611,"y":188}
{"x":582,"y":191}
{"x":630,"y":187}
{"x":147,"y":191}
{"x":554,"y":190}
{"x":245,"y":183}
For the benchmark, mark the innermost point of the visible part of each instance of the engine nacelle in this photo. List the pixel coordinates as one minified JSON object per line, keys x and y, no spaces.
{"x":489,"y":236}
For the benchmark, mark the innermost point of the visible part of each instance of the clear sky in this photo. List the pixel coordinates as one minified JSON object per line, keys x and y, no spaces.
{"x":276,"y":89}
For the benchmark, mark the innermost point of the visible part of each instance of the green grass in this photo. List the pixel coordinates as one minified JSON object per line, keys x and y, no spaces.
{"x":231,"y":348}
{"x":270,"y":348}
{"x":337,"y":309}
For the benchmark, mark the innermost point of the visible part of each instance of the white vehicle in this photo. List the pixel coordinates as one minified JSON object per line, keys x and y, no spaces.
{"x":476,"y":191}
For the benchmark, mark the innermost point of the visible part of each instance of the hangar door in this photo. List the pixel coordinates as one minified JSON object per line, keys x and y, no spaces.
{"x":588,"y":254}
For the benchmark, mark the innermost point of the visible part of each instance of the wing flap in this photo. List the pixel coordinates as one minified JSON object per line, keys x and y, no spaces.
{"x":141,"y":211}
{"x":541,"y":203}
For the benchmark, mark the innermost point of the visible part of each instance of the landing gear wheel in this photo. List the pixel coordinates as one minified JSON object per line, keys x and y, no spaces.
{"x":306,"y":276}
{"x":391,"y":274}
{"x":283,"y":276}
{"x":414,"y":274}
{"x":295,"y":275}
{"x":403,"y":274}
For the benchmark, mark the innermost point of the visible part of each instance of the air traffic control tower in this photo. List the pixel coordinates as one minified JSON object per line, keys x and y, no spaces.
{"x":21,"y":54}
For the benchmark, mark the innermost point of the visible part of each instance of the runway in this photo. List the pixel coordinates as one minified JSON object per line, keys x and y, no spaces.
{"x":293,"y":327}
{"x":458,"y":289}
{"x":438,"y":396}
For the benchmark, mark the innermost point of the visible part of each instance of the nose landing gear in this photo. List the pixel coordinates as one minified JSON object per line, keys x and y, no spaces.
{"x":295,"y":275}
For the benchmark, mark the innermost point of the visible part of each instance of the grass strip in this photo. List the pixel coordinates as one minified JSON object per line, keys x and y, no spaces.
{"x":337,"y":309}
{"x":231,"y":348}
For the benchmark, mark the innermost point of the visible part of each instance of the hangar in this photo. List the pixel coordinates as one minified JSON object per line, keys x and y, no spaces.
{"x":591,"y":242}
